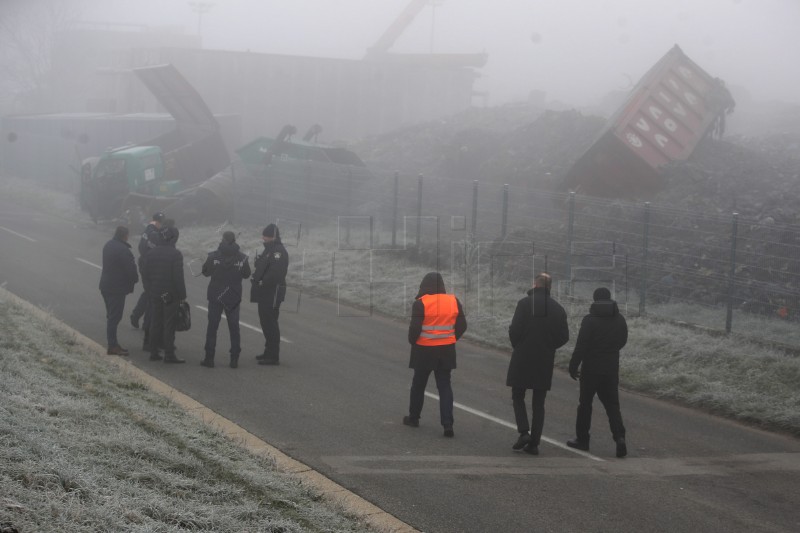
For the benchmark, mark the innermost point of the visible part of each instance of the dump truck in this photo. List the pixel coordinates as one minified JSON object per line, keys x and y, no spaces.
{"x":673,"y":107}
{"x":134,"y":179}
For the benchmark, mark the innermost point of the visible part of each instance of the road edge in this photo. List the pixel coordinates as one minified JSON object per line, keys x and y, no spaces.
{"x":333,"y":493}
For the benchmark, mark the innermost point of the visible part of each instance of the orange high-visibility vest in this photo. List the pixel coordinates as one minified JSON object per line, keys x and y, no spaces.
{"x":439,"y":323}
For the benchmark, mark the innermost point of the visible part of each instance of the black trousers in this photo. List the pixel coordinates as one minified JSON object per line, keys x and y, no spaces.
{"x":162,"y":325}
{"x":537,"y":412}
{"x":215,"y":310}
{"x":443,"y":385}
{"x":268,"y":316}
{"x":607,"y":390}
{"x":115,"y":305}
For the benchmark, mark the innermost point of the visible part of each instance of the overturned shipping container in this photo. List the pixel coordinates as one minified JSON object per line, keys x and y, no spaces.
{"x":668,"y":112}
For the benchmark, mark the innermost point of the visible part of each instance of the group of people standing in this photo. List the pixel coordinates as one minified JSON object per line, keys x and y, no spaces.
{"x":538,"y":328}
{"x":161,"y":268}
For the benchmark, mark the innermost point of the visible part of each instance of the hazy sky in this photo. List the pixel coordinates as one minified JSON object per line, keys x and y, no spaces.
{"x":575,"y":50}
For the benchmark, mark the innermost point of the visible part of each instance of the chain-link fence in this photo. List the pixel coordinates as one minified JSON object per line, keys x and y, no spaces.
{"x":715,"y":270}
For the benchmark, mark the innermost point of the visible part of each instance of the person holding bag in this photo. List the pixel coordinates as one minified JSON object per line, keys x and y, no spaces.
{"x":227,"y":266}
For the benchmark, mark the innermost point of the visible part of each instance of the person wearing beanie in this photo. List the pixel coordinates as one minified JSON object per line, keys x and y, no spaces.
{"x":595,"y":361}
{"x":162,"y":274}
{"x":227,"y":266}
{"x":437,"y":322}
{"x":116,"y":281}
{"x":147,"y":242}
{"x":538,"y":328}
{"x":268,"y":290}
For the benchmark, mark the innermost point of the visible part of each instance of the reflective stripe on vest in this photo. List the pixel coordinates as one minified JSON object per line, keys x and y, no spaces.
{"x":439,"y":322}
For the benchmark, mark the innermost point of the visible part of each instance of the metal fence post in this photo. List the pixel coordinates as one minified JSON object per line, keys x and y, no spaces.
{"x":474,"y":208}
{"x":645,"y":238}
{"x":419,"y":209}
{"x":349,"y":204}
{"x":394,"y":209}
{"x":732,"y":274}
{"x":504,"y":226}
{"x":570,"y":232}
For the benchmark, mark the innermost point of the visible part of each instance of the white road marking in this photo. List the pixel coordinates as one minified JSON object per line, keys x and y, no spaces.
{"x":502,"y":422}
{"x":98,"y":267}
{"x":244,"y":324}
{"x":11,"y":231}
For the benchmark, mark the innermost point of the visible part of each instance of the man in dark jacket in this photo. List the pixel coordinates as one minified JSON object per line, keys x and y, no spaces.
{"x":595,"y":361}
{"x":437,"y":322}
{"x":162,"y":271}
{"x":226,"y":266}
{"x":538,"y":328}
{"x":268,"y":289}
{"x":147,"y":242}
{"x":116,"y":281}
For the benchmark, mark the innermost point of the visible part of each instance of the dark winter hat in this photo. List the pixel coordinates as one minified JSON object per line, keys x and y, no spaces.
{"x":432,"y":283}
{"x":229,"y":237}
{"x":159,"y":217}
{"x":601,"y":293}
{"x":271,"y":231}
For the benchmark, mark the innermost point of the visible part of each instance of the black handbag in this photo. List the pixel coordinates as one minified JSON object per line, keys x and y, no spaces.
{"x":183,"y":318}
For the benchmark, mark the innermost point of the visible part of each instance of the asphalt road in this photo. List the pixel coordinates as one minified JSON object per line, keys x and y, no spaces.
{"x":337,"y":400}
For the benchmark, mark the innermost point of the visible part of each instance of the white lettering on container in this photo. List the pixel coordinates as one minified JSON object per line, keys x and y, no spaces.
{"x":661,"y":140}
{"x":642,"y":124}
{"x":685,"y":72}
{"x":655,"y":112}
{"x":634,"y":140}
{"x":670,"y":124}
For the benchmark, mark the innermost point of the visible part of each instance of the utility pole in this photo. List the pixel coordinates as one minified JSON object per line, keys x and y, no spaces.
{"x":434,"y":4}
{"x":201,"y":8}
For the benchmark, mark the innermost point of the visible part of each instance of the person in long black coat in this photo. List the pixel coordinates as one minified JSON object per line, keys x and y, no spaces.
{"x":440,"y":359}
{"x":539,"y":327}
{"x":162,"y":270}
{"x":147,"y":242}
{"x":116,"y":281}
{"x":595,"y":361}
{"x":268,"y":290}
{"x":226,"y":266}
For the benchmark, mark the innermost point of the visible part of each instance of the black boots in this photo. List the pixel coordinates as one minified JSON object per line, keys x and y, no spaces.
{"x":578,"y":444}
{"x":170,"y":358}
{"x":208,"y":362}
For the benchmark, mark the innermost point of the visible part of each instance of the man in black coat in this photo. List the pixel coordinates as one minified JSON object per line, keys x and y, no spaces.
{"x":162,"y":272}
{"x":595,"y":361}
{"x":116,"y":281}
{"x":437,"y":322}
{"x":268,"y":289}
{"x":538,"y":328}
{"x":147,"y":242}
{"x":226,"y":266}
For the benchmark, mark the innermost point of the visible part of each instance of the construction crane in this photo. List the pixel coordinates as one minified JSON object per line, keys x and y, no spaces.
{"x":380,"y":50}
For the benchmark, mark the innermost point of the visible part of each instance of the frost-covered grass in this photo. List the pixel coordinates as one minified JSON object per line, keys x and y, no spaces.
{"x":83,"y":448}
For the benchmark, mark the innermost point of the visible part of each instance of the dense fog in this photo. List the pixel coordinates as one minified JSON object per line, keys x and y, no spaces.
{"x":574,"y":50}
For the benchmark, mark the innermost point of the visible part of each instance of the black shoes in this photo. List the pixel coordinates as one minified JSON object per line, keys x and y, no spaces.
{"x":268,"y":361}
{"x":117,"y":350}
{"x":448,"y":431}
{"x":413,"y":422}
{"x":531,"y":449}
{"x":135,"y":321}
{"x":171,"y":359}
{"x":523,"y":439}
{"x":622,"y":449}
{"x":234,"y":361}
{"x":207,"y":362}
{"x":578,"y":444}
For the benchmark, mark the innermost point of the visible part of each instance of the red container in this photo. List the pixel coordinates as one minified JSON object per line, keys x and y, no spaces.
{"x":666,"y":115}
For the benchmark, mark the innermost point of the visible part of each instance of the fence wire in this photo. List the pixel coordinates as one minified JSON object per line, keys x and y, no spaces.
{"x":720,"y":271}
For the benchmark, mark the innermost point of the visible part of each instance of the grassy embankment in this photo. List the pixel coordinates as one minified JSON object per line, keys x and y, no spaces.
{"x":85,"y":446}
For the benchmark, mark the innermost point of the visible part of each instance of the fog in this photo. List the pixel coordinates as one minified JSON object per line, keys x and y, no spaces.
{"x":574,"y":50}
